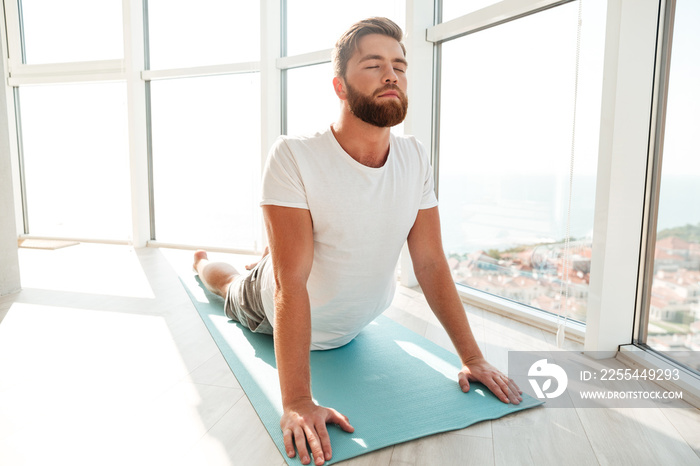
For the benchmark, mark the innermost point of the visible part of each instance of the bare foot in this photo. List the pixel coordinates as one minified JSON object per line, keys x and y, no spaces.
{"x":199,"y":256}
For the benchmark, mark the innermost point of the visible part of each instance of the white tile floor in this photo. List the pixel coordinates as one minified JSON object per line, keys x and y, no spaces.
{"x":104,"y":360}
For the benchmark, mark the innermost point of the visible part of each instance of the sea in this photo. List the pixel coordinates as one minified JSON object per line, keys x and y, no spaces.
{"x":502,"y":211}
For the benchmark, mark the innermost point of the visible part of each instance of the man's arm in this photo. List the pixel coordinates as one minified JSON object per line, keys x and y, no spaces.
{"x":290,"y":237}
{"x":435,"y":279}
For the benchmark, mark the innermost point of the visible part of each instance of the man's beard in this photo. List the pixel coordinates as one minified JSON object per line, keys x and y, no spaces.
{"x":382,"y":114}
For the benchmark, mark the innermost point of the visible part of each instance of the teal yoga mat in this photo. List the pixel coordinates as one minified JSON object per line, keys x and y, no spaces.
{"x":393,"y":384}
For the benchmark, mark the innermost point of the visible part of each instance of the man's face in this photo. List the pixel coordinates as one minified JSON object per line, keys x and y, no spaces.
{"x":375,"y":81}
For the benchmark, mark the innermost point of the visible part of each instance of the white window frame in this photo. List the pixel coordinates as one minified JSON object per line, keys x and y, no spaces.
{"x":624,"y":134}
{"x":487,"y":17}
{"x":142,"y":163}
{"x":9,"y":183}
{"x":628,"y":87}
{"x":638,"y":354}
{"x":131,"y":70}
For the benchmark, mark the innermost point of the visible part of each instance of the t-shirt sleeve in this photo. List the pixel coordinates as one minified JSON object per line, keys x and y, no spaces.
{"x":428,"y":200}
{"x":282,"y":184}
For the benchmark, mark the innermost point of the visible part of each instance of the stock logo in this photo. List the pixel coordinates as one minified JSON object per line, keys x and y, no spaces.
{"x":542,"y":369}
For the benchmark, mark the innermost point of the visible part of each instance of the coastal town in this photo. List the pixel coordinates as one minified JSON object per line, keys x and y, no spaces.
{"x":544,"y":277}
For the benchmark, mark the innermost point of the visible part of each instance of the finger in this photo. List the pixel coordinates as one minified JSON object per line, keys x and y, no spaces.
{"x":314,"y":444}
{"x":325,"y":440}
{"x":463,"y":382}
{"x":515,"y":386}
{"x":288,"y":442}
{"x":504,"y":382}
{"x":340,"y":419}
{"x":514,"y":392}
{"x":496,"y":389}
{"x":300,"y":440}
{"x":510,"y":388}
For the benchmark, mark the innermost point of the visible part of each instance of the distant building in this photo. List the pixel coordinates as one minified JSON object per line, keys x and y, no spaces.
{"x":674,"y":253}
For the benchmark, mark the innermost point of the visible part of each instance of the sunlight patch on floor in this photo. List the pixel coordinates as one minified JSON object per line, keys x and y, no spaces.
{"x":108,"y":270}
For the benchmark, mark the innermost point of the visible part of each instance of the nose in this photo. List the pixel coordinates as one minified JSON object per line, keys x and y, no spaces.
{"x":390,"y":76}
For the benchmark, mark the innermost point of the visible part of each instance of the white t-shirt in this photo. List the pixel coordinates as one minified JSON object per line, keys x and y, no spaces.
{"x":361,"y":219}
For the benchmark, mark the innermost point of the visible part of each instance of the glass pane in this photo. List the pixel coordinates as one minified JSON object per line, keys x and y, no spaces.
{"x":184,"y":34}
{"x":76,"y":155}
{"x":505,"y":148}
{"x":674,"y":314}
{"x":322,"y":17}
{"x":72,"y":30}
{"x":206,"y":160}
{"x":452,"y":9}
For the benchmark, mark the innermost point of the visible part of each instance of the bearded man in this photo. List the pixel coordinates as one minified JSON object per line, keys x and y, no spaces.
{"x":338,"y":207}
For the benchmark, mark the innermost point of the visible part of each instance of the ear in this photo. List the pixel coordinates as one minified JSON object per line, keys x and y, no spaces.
{"x":339,"y":87}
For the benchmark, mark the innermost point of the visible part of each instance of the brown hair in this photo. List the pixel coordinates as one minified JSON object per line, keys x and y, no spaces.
{"x":347,"y":44}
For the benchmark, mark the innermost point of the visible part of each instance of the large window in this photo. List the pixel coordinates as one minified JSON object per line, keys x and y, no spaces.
{"x":81,"y":162}
{"x":100,"y":117}
{"x":205,"y":128}
{"x":674,"y":304}
{"x":76,"y":160}
{"x":73,"y":128}
{"x":506,"y":122}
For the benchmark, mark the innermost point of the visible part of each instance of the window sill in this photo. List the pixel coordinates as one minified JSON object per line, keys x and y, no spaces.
{"x":575,"y":331}
{"x":640,"y":358}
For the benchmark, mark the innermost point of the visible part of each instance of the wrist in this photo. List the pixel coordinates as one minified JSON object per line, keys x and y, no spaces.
{"x":295,"y":402}
{"x":472,"y":360}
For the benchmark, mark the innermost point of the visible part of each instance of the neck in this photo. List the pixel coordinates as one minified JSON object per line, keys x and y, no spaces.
{"x":367,"y":144}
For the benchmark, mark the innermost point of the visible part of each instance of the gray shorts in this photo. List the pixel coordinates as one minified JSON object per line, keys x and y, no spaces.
{"x":244,"y":303}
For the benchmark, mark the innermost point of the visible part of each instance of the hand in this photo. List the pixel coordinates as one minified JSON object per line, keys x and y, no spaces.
{"x":500,"y":385}
{"x":306,"y":421}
